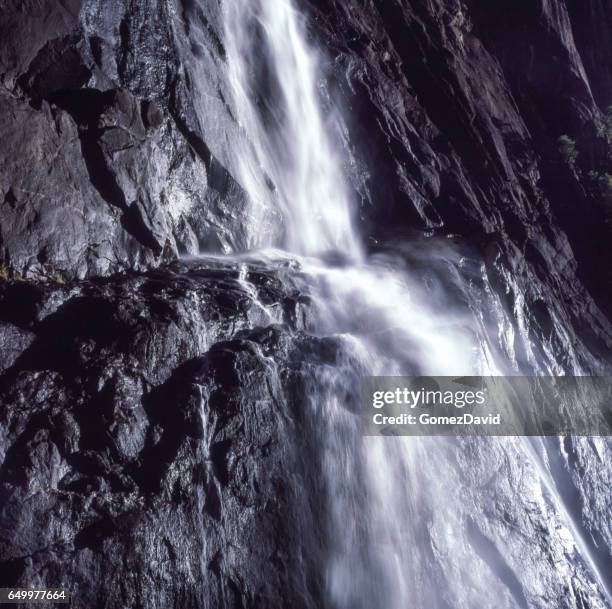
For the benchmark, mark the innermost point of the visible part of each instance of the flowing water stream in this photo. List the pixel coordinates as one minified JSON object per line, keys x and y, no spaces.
{"x":413,"y":523}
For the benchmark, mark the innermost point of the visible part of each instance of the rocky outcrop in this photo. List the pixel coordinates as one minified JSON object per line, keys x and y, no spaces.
{"x":105,"y":164}
{"x":121,"y":129}
{"x":156,"y":446}
{"x":456,"y":108}
{"x":153,"y":449}
{"x":163,"y":444}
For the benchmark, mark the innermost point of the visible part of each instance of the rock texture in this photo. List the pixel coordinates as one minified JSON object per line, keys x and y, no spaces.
{"x":156,"y":447}
{"x":152,"y":442}
{"x":460,"y":105}
{"x":121,"y":131}
{"x":105,"y":164}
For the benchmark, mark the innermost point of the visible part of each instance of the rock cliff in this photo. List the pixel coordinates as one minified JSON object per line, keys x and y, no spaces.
{"x":153,"y":420}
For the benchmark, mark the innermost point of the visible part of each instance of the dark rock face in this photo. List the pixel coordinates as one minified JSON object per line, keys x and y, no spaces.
{"x":105,"y":165}
{"x":156,"y":448}
{"x":461,"y":105}
{"x":147,"y":442}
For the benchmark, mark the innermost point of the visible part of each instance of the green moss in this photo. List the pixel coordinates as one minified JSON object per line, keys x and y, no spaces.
{"x":7,"y":274}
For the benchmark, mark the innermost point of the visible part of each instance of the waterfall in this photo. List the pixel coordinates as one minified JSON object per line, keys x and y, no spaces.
{"x":412,"y":521}
{"x":291,"y":160}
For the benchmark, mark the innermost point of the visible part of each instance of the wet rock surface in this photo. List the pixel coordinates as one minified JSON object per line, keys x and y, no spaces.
{"x":105,"y":165}
{"x":461,"y":104}
{"x":156,"y":448}
{"x":120,"y":127}
{"x":151,"y":455}
{"x":163,"y":445}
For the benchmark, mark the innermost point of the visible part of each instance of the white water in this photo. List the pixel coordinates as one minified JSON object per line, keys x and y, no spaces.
{"x":292,"y":162}
{"x":401,"y":510}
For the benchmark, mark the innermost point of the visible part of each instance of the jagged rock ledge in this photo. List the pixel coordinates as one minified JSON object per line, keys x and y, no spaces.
{"x":148,"y":434}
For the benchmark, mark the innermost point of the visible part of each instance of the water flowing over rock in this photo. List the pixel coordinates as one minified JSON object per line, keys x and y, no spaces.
{"x":216,"y":217}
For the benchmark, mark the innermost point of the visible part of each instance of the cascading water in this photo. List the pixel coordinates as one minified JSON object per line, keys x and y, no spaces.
{"x":273,"y":74}
{"x":413,"y":523}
